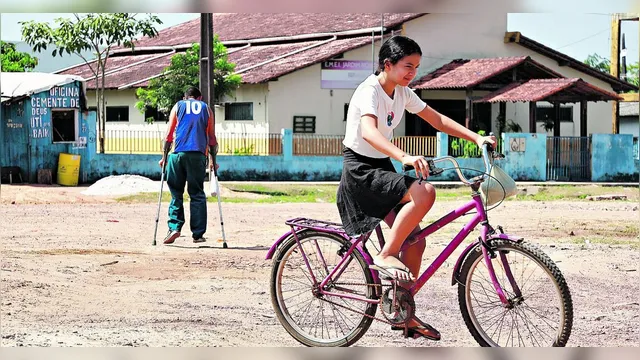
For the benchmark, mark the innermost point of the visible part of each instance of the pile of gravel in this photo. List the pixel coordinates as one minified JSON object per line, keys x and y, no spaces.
{"x":123,"y":185}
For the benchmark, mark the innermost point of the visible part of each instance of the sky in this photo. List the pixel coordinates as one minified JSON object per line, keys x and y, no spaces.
{"x":574,"y":34}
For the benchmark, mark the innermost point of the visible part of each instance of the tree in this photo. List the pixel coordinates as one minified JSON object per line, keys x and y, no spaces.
{"x":599,"y":63}
{"x":98,"y":32}
{"x":163,"y":92}
{"x":603,"y":64}
{"x":15,"y":61}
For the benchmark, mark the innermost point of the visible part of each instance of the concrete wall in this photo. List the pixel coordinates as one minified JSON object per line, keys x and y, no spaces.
{"x":530,"y":163}
{"x":612,"y":158}
{"x":527,"y":165}
{"x":445,"y":37}
{"x":300,"y":94}
{"x":257,"y":94}
{"x":629,"y":125}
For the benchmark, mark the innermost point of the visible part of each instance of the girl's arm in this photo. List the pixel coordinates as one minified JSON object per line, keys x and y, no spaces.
{"x":371,"y":134}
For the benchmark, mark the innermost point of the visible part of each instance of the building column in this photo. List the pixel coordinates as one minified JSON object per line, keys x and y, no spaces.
{"x":556,"y":118}
{"x":583,"y":118}
{"x":287,"y":144}
{"x":533,"y":106}
{"x":469,"y":109}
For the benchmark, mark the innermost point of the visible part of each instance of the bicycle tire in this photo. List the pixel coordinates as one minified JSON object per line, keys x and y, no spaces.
{"x":543,"y":261}
{"x":278,"y":264}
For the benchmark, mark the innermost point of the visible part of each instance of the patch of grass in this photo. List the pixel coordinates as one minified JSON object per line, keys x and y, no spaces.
{"x":145,"y":198}
{"x":633,"y":243}
{"x":575,"y":192}
{"x":273,"y":194}
{"x":319,"y":192}
{"x":310,"y":193}
{"x":461,"y":193}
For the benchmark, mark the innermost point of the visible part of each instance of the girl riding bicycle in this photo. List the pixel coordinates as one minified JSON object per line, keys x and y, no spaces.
{"x":370,"y":189}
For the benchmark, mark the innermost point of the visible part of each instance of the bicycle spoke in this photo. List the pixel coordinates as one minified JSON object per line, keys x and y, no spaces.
{"x":542,"y":317}
{"x":298,"y":294}
{"x":501,"y":322}
{"x":531,"y":320}
{"x":524,"y":317}
{"x":317,"y":318}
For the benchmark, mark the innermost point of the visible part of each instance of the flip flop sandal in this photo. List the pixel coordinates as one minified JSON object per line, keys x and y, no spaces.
{"x":391,"y":272}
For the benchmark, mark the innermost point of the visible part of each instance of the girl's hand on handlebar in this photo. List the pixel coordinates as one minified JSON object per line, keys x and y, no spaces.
{"x":491,"y":140}
{"x":419,"y":163}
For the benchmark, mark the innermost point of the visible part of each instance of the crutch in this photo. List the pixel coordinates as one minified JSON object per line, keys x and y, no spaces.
{"x":155,"y":232}
{"x":212,"y":181}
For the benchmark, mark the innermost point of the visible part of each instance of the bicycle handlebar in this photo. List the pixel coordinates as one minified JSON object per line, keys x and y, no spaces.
{"x":433,"y":170}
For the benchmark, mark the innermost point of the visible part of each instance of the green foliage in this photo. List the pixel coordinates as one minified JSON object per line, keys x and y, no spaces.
{"x":247,"y":150}
{"x":15,"y":61}
{"x":547,"y":123}
{"x":88,"y":33}
{"x":469,"y":149}
{"x":603,"y":64}
{"x":598,"y":62}
{"x":96,"y":32}
{"x":507,"y":125}
{"x":184,"y":71}
{"x":632,"y":74}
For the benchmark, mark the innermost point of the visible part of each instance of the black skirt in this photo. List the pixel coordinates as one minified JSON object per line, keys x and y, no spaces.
{"x":369,"y":190}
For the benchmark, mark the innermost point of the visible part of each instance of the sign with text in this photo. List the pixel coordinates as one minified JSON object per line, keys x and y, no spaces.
{"x":59,"y":97}
{"x":344,"y":74}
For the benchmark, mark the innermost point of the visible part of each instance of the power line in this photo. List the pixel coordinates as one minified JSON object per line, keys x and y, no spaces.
{"x":583,"y":39}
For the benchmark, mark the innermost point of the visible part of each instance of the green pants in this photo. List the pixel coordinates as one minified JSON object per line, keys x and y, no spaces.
{"x":189,"y":168}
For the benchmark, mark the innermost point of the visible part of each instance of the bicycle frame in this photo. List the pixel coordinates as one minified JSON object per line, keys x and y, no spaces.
{"x":486,"y":234}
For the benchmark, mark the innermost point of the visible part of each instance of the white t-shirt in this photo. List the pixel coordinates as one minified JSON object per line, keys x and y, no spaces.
{"x":370,"y":98}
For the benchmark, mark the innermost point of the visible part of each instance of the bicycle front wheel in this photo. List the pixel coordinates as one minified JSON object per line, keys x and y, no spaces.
{"x":319,"y":319}
{"x":540,"y":310}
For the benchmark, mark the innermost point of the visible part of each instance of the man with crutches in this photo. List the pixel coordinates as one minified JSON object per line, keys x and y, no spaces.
{"x":193,"y":123}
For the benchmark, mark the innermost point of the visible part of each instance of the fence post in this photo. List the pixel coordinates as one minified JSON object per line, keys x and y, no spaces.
{"x":442,"y":147}
{"x":287,"y":144}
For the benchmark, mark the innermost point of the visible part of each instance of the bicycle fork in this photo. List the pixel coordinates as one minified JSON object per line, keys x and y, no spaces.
{"x":489,"y":253}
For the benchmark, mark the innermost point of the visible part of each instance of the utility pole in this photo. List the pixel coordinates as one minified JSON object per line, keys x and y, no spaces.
{"x":206,"y":59}
{"x":616,"y":20}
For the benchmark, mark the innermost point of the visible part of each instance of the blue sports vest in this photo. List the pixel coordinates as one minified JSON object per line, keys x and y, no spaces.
{"x":191,"y":131}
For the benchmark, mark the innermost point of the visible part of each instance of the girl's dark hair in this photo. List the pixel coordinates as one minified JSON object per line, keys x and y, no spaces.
{"x":394,"y":49}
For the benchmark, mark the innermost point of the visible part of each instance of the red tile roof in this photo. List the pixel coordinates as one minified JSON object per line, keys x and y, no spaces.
{"x":123,"y":70}
{"x":460,"y":74}
{"x":293,"y":62}
{"x":566,"y":60}
{"x":260,"y":25}
{"x":276,"y":64}
{"x":563,"y":90}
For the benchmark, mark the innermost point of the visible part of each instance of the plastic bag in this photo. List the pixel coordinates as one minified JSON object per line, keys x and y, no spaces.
{"x":492,"y":192}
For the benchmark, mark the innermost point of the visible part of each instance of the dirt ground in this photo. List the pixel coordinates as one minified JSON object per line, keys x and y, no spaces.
{"x":81,"y":271}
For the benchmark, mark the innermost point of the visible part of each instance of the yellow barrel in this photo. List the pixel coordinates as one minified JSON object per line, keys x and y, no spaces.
{"x":68,"y":169}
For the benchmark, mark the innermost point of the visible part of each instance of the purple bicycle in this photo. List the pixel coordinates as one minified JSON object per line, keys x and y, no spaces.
{"x":325,"y":289}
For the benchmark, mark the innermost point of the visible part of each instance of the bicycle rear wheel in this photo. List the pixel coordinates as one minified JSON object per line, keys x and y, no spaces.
{"x":311,"y":318}
{"x":541,"y":315}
